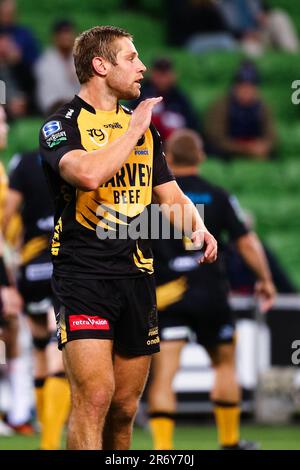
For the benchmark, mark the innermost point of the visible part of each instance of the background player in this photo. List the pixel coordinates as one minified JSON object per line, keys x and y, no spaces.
{"x":193,"y":297}
{"x":10,"y":300}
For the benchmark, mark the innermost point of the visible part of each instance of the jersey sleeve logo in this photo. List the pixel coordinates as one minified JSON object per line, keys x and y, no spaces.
{"x":50,"y":128}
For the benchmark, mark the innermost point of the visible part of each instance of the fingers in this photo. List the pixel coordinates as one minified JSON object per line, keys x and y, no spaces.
{"x":12,"y":302}
{"x":141,"y":116}
{"x":211,"y":250}
{"x":198,"y":239}
{"x":266,"y":293}
{"x":210,"y":254}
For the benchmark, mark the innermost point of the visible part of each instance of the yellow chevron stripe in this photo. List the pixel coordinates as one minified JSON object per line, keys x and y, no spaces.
{"x":33,"y":248}
{"x":141,"y":256}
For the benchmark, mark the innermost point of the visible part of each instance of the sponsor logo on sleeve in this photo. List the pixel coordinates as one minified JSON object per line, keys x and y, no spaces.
{"x":50,"y":128}
{"x":98,"y":136}
{"x":114,"y":125}
{"x":141,"y":152}
{"x":69,"y":113}
{"x":88,"y":322}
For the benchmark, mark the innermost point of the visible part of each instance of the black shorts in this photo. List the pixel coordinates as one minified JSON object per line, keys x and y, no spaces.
{"x":120,"y":309}
{"x":34,"y":284}
{"x":204,"y":312}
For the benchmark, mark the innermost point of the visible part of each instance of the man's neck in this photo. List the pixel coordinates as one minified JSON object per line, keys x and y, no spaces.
{"x":185,"y":170}
{"x":98,"y":96}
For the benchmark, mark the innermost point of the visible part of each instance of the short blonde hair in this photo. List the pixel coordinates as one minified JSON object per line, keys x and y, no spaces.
{"x":186,"y":147}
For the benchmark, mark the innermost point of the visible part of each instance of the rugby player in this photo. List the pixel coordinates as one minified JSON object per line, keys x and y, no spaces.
{"x":104,"y":164}
{"x":28,"y":194}
{"x":193,"y":298}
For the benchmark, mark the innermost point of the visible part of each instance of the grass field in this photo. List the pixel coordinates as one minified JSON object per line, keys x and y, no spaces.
{"x":191,"y":438}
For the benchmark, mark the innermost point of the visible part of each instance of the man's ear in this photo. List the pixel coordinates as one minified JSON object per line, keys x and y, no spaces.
{"x":100,"y":66}
{"x":202,"y":156}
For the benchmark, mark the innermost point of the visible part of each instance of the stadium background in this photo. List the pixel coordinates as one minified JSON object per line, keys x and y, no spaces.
{"x":269,"y":189}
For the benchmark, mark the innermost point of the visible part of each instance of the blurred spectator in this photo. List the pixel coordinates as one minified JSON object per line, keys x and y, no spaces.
{"x":199,"y":25}
{"x":241,"y":278}
{"x":55,"y":72}
{"x":240,"y":123}
{"x":21,"y":53}
{"x":175,"y":111}
{"x":16,"y":100}
{"x":21,"y":35}
{"x":10,"y":308}
{"x":259,"y":26}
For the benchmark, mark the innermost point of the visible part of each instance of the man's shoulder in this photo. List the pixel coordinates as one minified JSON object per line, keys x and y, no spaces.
{"x":65,"y":114}
{"x":126,"y":109}
{"x":49,"y":56}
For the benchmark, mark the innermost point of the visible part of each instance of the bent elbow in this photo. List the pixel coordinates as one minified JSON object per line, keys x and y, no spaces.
{"x":87,"y":183}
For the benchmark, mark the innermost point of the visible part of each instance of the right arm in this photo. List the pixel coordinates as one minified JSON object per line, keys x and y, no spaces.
{"x":89,"y":170}
{"x":215,"y":127}
{"x":251,"y":250}
{"x":12,"y":206}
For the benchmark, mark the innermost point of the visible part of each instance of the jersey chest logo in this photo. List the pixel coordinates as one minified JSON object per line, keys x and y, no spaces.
{"x":99,"y":137}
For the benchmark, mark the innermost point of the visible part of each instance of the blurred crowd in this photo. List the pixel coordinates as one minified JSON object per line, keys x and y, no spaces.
{"x":36,"y":81}
{"x":239,"y":124}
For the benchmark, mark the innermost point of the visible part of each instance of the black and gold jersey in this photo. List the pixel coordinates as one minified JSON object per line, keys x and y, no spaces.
{"x":26,"y":176}
{"x":91,"y":236}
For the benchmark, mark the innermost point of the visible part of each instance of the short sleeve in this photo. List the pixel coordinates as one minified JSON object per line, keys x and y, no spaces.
{"x":233,"y":216}
{"x":161,"y":172}
{"x":57,"y":137}
{"x":15,"y":173}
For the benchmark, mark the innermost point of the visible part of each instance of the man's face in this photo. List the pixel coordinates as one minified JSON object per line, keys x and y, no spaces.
{"x":124,"y":78}
{"x":7,"y":12}
{"x":3,"y":129}
{"x":163,"y":80}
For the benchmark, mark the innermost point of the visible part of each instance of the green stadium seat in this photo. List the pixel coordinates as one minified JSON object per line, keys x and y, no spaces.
{"x":23,"y":137}
{"x":270,"y":189}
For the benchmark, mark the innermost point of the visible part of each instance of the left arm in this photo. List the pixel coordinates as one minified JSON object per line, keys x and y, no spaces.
{"x":185,"y":217}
